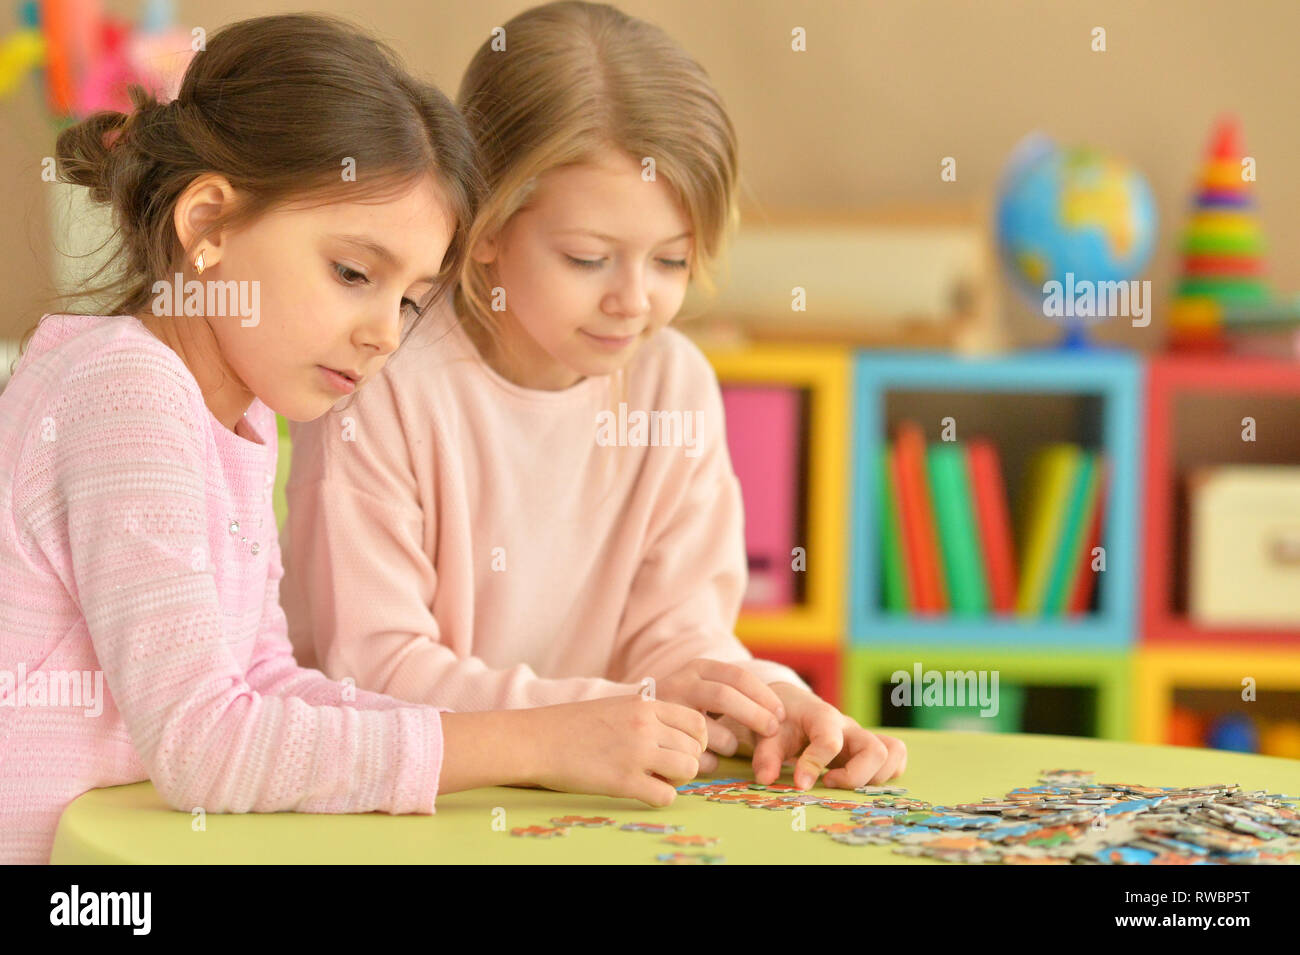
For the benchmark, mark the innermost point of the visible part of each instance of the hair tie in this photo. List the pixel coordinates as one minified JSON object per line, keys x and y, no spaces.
{"x":112,"y":137}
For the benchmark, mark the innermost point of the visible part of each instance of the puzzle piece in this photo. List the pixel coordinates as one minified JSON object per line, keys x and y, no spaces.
{"x":840,"y":805}
{"x":836,"y":827}
{"x":689,"y":858}
{"x":654,"y":828}
{"x":588,"y":822}
{"x":540,"y":832}
{"x":691,"y":840}
{"x":708,"y":783}
{"x":945,"y":821}
{"x":901,"y":804}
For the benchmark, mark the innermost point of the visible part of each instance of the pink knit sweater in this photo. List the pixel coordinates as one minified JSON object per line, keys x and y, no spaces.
{"x":138,"y":554}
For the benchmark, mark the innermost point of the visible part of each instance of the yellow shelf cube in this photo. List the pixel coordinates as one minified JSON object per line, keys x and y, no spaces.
{"x":824,"y":373}
{"x":1159,"y":671}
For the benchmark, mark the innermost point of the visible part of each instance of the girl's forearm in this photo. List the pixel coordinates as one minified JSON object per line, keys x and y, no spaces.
{"x":492,"y":748}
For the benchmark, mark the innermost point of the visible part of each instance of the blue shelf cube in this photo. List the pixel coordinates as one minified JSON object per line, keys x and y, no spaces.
{"x":1114,"y":379}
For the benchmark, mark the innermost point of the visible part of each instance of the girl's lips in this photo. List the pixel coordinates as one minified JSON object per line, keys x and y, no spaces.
{"x":610,"y":343}
{"x":339,"y":382}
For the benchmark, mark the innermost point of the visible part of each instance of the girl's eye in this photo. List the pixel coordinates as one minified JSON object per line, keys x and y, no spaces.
{"x":595,"y":263}
{"x":349,"y":276}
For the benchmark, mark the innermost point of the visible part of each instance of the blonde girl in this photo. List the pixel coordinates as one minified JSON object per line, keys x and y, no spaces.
{"x":487,"y":526}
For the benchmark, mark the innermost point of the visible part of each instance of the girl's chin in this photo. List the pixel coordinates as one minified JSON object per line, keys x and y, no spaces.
{"x":305,"y":408}
{"x":608,"y":358}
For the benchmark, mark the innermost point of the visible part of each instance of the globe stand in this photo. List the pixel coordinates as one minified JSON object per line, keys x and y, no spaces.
{"x":1076,"y":342}
{"x":1075,"y":339}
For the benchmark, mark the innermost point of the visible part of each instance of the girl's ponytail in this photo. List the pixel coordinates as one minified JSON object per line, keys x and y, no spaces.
{"x":84,"y":153}
{"x":281,"y":106}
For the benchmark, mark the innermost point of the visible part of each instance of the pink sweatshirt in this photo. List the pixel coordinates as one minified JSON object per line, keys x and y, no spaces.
{"x":455,"y":537}
{"x":138,"y":553}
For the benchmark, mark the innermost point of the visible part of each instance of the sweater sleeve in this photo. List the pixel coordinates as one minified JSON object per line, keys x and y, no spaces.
{"x":128,"y":469}
{"x":273,"y":671}
{"x":362,"y":582}
{"x":687,"y":591}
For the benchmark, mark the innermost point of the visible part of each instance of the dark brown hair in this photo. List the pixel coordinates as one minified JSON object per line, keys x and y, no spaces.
{"x":276,"y":105}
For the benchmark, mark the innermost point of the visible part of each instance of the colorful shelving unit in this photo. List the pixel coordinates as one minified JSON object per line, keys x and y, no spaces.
{"x":1105,"y":387}
{"x":1195,"y":405}
{"x":841,"y":627}
{"x":822,"y":374}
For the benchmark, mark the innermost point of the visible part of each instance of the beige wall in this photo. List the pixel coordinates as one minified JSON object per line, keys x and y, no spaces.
{"x":884,"y":91}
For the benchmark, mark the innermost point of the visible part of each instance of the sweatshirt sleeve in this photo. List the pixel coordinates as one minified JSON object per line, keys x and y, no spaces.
{"x":686,"y":594}
{"x":128,"y":469}
{"x":361,"y":582}
{"x":273,"y":671}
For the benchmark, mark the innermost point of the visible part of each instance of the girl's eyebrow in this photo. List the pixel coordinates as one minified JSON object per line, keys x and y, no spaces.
{"x":380,"y":251}
{"x":610,"y":238}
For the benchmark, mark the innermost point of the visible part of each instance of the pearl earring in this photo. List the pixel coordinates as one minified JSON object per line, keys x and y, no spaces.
{"x":198,"y":264}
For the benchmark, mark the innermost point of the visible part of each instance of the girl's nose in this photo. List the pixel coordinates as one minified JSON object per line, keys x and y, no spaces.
{"x":630,"y":298}
{"x":382,"y":333}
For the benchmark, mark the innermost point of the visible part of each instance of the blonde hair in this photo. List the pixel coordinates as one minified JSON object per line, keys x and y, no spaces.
{"x":575,"y":79}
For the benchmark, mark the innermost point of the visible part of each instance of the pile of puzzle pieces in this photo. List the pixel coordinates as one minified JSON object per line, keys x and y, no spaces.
{"x":1069,"y":819}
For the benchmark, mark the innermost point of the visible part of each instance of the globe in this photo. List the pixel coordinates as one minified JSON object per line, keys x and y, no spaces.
{"x":1074,"y":216}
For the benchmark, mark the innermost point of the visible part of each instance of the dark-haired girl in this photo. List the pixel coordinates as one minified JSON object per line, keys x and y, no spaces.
{"x":282,"y":223}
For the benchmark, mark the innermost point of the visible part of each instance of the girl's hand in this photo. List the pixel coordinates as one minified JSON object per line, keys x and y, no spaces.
{"x":724,"y":691}
{"x":827,"y":738}
{"x":626,"y":746}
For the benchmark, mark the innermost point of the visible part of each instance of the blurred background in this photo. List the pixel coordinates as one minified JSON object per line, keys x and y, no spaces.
{"x":949,"y":461}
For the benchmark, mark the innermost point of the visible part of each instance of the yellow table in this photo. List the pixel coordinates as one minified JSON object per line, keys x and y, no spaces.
{"x":131,"y":824}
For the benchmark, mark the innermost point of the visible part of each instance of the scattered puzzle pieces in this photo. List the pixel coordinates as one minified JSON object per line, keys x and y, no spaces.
{"x":1068,"y":818}
{"x":1071,"y":819}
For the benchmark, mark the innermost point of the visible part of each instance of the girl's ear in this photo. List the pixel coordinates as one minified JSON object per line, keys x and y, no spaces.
{"x":204,"y":200}
{"x":485,"y":251}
